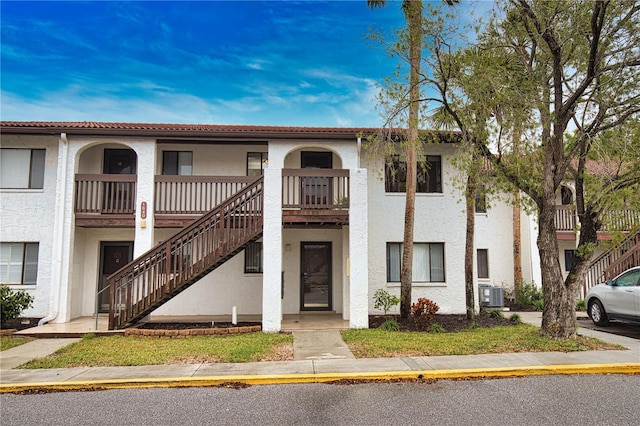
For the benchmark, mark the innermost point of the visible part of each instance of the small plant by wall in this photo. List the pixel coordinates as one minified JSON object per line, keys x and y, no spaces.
{"x":385,"y":301}
{"x":12,"y":303}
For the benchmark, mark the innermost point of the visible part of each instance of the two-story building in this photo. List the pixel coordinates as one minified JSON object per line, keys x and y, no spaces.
{"x":193,"y":220}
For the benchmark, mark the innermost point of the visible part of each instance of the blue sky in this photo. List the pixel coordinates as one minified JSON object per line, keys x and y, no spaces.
{"x":214,"y":62}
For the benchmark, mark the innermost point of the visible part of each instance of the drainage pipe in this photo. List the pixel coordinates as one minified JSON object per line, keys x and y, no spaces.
{"x":59,"y":241}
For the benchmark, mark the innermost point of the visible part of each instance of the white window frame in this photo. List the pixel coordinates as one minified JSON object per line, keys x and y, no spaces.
{"x":425,"y":269}
{"x":19,"y":259}
{"x":22,"y":168}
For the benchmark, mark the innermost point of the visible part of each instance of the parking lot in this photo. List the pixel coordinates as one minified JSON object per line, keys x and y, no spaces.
{"x":619,"y":328}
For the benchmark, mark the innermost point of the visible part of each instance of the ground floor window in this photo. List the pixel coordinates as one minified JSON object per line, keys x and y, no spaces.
{"x":428,"y":262}
{"x":253,"y":258}
{"x":569,"y":258}
{"x":18,"y":263}
{"x":483,"y":263}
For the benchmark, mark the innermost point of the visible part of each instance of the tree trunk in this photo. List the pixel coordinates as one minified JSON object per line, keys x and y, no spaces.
{"x":517,"y":244}
{"x":413,"y":15}
{"x":558,"y":316}
{"x":470,"y":196}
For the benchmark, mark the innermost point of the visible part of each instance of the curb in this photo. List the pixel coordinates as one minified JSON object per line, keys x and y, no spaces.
{"x":232,"y":381}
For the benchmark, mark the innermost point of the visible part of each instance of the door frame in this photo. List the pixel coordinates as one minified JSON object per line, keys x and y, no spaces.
{"x":329,"y":306}
{"x":101,"y":283}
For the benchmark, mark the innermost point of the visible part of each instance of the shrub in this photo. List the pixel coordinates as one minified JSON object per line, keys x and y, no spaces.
{"x":384,"y":300}
{"x":581,"y":305}
{"x":423,"y":311}
{"x":529,"y":296}
{"x":495,"y":313}
{"x":436,"y":328}
{"x":538,"y":305}
{"x":12,"y":303}
{"x":515,"y":318}
{"x":390,"y":325}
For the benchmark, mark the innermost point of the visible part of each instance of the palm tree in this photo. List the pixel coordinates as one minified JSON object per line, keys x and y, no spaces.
{"x":413,"y":15}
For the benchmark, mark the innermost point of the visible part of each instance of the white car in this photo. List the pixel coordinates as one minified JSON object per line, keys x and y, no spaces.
{"x":617,"y":299}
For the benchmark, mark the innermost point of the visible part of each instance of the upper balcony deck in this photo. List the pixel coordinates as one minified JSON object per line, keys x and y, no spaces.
{"x":310,"y":197}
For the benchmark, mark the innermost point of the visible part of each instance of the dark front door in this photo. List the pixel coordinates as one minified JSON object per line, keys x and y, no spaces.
{"x":113,"y":256}
{"x":315,"y":277}
{"x":316,"y":190}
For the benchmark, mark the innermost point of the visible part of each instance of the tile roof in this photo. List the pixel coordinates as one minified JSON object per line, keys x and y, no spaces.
{"x":203,"y":130}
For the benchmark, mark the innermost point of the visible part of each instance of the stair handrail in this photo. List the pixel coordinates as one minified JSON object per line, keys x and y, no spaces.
{"x":160,"y":256}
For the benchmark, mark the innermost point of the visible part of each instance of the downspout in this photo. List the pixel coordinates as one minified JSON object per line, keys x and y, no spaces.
{"x":56,"y":264}
{"x":359,"y":149}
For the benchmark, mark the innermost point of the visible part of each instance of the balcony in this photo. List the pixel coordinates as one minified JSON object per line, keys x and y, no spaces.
{"x":315,"y":197}
{"x":105,"y":200}
{"x":620,"y":220}
{"x":309,"y":197}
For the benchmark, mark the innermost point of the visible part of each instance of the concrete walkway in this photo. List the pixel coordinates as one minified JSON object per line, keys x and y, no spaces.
{"x":318,"y":356}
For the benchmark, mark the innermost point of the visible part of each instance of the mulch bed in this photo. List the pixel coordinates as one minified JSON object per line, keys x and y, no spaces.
{"x":450,"y":323}
{"x":193,"y":325}
{"x":20,"y":323}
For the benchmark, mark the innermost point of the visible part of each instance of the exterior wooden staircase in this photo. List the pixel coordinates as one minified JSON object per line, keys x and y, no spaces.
{"x":613,"y":262}
{"x":166,"y":270}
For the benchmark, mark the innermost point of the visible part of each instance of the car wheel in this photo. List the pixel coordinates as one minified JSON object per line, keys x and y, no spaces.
{"x":597,"y":313}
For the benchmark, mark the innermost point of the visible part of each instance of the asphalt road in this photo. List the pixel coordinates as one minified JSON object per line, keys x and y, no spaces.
{"x":614,"y":327}
{"x":543,"y":400}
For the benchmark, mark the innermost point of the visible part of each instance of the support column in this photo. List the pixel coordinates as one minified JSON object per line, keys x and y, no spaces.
{"x":145,"y":185}
{"x":358,"y":250}
{"x":272,"y":251}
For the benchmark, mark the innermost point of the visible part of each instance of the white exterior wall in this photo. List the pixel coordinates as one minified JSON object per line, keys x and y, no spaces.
{"x":27,"y":215}
{"x":440,"y":218}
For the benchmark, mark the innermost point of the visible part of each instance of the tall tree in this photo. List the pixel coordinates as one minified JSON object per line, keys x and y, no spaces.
{"x":412,"y":10}
{"x":578,"y":63}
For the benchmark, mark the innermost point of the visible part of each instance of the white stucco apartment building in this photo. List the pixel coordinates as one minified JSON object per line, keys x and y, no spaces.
{"x":313,"y":226}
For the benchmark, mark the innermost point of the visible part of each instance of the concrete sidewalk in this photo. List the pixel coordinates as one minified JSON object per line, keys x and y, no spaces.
{"x":319,"y":356}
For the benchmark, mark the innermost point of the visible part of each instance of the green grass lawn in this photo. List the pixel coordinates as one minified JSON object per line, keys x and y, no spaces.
{"x":126,"y":351}
{"x":364,"y":343}
{"x":8,"y":342}
{"x":377,"y":343}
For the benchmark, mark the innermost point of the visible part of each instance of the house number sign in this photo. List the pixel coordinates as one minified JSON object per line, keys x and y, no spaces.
{"x":143,"y":210}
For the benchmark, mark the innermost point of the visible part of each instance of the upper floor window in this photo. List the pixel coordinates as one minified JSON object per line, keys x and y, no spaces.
{"x":256,"y":163}
{"x":22,"y":168}
{"x":18,"y":263}
{"x":177,"y":163}
{"x":427,"y":266}
{"x":428,"y":179}
{"x":481,"y":200}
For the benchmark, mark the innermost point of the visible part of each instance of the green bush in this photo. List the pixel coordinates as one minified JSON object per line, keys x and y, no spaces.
{"x":529,"y":296}
{"x":384,"y":300}
{"x":495,"y":313}
{"x":515,"y":318}
{"x":581,"y":305}
{"x":390,"y":325}
{"x":436,"y":328}
{"x":12,"y":303}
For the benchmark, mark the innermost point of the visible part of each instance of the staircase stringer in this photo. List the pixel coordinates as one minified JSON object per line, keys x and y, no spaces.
{"x":166,"y":270}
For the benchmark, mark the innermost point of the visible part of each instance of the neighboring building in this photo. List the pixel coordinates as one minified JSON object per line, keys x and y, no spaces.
{"x":308,"y":224}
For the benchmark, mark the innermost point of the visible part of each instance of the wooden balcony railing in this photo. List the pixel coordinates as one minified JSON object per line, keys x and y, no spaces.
{"x":105,"y":194}
{"x":566,"y":218}
{"x":315,"y":189}
{"x":195,"y":194}
{"x":614,"y":220}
